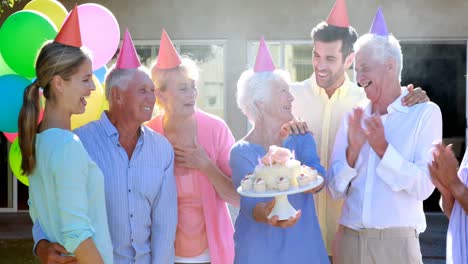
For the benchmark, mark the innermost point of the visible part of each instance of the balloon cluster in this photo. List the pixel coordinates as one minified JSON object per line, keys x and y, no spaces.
{"x":23,"y":34}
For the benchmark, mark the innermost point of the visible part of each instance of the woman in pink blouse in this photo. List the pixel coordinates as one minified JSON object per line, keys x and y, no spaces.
{"x":202,"y":144}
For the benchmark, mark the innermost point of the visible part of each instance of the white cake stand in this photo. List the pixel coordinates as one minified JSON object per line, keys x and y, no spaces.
{"x":282,"y":208}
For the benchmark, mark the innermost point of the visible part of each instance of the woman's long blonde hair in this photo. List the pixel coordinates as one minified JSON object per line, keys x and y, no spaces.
{"x":54,"y":59}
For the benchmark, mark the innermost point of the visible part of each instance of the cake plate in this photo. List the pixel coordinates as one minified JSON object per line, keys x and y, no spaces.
{"x":283,"y":209}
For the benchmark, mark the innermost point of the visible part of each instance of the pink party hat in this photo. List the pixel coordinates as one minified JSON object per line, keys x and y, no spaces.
{"x":168,"y":57}
{"x":338,"y":16}
{"x":128,"y":57}
{"x":263,"y":62}
{"x":70,"y":33}
{"x":379,"y":27}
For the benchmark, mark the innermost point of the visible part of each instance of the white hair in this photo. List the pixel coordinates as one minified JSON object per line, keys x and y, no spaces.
{"x":383,"y":49}
{"x":255,"y":87}
{"x":119,"y":78}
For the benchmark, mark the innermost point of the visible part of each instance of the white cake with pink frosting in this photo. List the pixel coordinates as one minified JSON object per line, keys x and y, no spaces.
{"x":278,"y":170}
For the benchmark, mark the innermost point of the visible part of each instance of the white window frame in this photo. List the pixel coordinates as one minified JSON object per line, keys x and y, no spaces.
{"x":251,"y":53}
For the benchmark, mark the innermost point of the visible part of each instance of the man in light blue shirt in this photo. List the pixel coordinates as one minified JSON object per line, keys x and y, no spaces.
{"x":141,"y":195}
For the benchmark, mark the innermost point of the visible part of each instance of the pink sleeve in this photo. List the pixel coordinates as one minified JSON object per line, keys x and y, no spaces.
{"x":156,"y":124}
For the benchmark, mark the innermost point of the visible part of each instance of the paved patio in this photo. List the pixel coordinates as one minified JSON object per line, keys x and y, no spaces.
{"x":16,"y":240}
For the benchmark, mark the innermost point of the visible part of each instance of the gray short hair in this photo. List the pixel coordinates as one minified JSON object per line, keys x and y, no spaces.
{"x":383,"y":47}
{"x":255,"y":87}
{"x":119,"y":78}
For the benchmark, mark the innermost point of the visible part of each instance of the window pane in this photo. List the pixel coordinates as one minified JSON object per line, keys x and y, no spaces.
{"x":298,"y":61}
{"x":210,"y":60}
{"x":440,"y":68}
{"x":147,"y":54}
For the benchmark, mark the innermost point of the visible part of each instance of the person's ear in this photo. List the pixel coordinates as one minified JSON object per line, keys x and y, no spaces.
{"x":259,"y":105}
{"x":58,"y":84}
{"x":390,"y":64}
{"x":116,"y":96}
{"x":158,"y":93}
{"x":349,"y":60}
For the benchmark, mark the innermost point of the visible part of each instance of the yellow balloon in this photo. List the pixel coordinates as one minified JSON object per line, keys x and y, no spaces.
{"x":51,"y":8}
{"x":93,"y":108}
{"x":105,"y":105}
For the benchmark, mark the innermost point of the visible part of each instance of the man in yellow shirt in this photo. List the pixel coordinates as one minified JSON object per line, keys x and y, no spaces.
{"x":323,"y":99}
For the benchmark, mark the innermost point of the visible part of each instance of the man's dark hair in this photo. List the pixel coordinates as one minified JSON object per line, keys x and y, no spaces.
{"x":328,"y":33}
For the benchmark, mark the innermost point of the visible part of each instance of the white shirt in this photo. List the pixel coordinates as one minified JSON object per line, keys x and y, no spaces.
{"x":388,"y":192}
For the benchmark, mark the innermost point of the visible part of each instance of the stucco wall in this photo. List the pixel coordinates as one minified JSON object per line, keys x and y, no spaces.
{"x":238,"y":21}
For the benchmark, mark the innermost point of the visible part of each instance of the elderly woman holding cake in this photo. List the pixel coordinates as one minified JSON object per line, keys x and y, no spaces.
{"x":264,"y":97}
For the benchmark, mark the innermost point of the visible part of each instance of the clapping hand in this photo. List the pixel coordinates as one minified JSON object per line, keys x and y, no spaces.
{"x":443,"y":168}
{"x":356,"y":134}
{"x":375,"y":134}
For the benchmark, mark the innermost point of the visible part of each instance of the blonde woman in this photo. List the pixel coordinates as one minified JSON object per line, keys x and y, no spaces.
{"x":66,"y":191}
{"x":201,"y":144}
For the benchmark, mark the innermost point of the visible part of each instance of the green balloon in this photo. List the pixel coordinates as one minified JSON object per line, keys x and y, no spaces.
{"x":21,"y":37}
{"x":14,"y":157}
{"x":4,"y":69}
